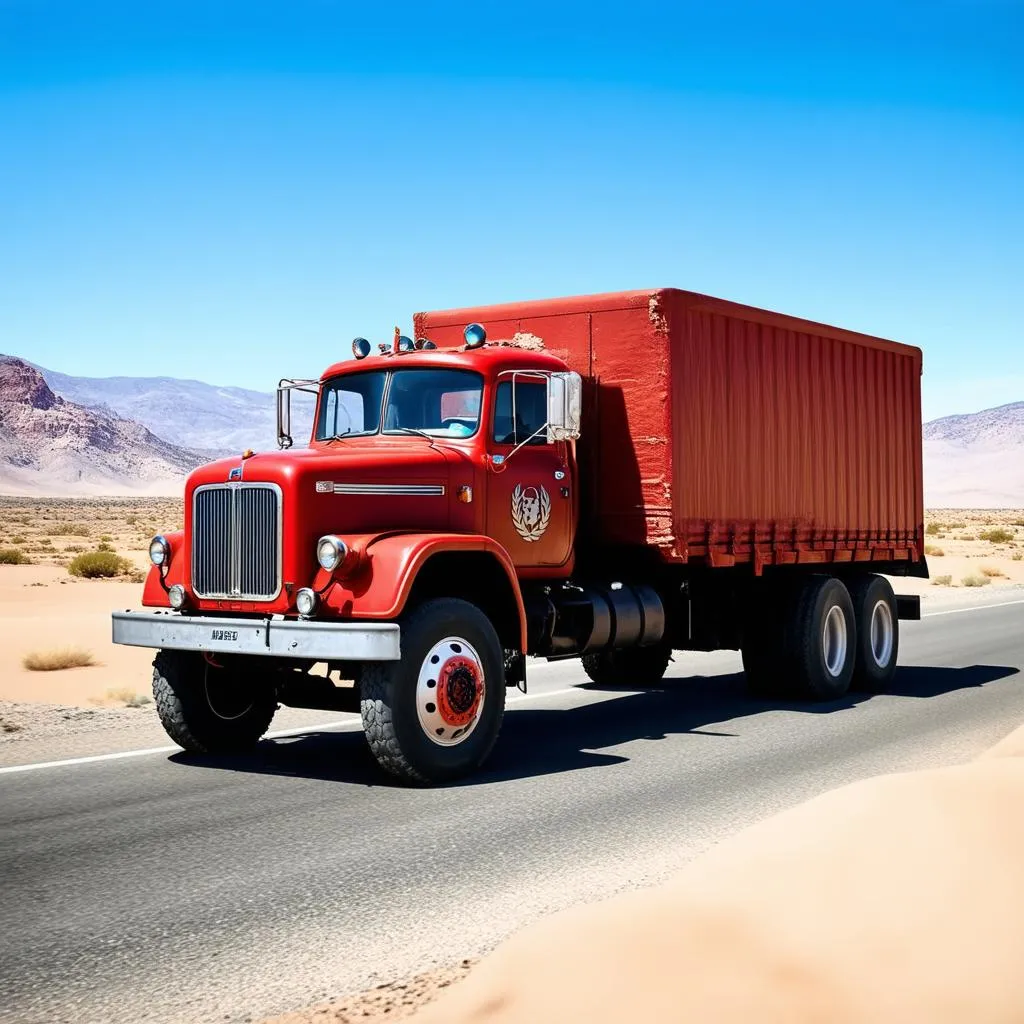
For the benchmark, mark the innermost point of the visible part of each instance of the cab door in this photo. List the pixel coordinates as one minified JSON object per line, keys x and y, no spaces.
{"x":530,"y":504}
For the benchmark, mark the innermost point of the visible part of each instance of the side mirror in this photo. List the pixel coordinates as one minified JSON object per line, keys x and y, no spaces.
{"x":285,"y":388}
{"x":284,"y":416}
{"x":565,"y":403}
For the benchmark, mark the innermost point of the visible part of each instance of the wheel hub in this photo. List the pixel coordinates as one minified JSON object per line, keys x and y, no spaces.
{"x":450,"y":691}
{"x":458,"y":691}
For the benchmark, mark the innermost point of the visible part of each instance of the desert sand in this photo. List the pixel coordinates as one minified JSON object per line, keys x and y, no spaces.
{"x":44,"y":608}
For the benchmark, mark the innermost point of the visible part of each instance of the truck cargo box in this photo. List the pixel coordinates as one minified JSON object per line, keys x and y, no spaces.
{"x":725,"y":434}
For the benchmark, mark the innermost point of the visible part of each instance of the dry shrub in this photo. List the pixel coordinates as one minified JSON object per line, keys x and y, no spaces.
{"x":933,"y":528}
{"x":71,"y":529}
{"x":966,"y":536}
{"x":997,"y":535}
{"x":54,"y":661}
{"x":12,"y":556}
{"x":976,"y":581}
{"x":956,"y":526}
{"x":992,"y":571}
{"x":128,"y":696}
{"x":106,"y":538}
{"x":942,"y":581}
{"x":934,"y":550}
{"x":96,"y":564}
{"x":19,"y":538}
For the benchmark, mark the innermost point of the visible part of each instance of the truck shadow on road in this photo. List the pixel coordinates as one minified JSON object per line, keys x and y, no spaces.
{"x":543,"y":741}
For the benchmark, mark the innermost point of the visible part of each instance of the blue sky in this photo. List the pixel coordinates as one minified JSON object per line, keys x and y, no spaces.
{"x":232,"y":191}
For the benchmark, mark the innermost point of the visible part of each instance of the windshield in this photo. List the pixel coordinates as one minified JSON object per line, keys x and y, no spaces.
{"x":438,"y":403}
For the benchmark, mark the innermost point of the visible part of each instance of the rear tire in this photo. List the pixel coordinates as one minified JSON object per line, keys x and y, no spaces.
{"x":435,"y":715}
{"x":821,"y":640}
{"x":210,"y":710}
{"x":878,"y":633}
{"x":629,"y":666}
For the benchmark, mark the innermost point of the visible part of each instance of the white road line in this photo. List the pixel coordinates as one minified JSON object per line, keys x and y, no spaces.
{"x":348,"y":725}
{"x":972,"y":608}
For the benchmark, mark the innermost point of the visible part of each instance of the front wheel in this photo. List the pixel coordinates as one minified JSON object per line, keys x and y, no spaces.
{"x":434,"y":715}
{"x":206,"y":709}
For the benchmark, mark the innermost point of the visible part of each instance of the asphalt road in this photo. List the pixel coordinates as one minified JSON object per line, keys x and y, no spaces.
{"x":165,"y":888}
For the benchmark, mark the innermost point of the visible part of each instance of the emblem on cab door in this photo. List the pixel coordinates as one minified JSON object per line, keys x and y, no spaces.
{"x":531,"y":510}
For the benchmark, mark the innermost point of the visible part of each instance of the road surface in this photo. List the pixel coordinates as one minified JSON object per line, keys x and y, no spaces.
{"x":168,"y":888}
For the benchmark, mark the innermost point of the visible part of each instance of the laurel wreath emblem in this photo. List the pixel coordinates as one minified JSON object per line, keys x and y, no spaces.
{"x":531,"y":510}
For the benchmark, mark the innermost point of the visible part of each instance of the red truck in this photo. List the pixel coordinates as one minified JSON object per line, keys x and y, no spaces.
{"x":608,"y":477}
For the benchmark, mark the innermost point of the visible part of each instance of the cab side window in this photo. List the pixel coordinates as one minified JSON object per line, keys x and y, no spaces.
{"x":515,"y":422}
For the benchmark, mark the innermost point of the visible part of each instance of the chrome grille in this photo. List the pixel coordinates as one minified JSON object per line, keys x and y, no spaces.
{"x":236,"y":541}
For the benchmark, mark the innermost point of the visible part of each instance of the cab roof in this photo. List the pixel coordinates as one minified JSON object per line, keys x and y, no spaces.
{"x":489,"y":360}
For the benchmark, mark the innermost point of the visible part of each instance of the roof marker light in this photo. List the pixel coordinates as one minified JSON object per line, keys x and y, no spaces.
{"x":360,"y":348}
{"x":475,"y":335}
{"x":405,"y":344}
{"x":424,"y":343}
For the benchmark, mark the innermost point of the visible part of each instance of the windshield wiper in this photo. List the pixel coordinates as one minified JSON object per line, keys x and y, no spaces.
{"x":411,"y":430}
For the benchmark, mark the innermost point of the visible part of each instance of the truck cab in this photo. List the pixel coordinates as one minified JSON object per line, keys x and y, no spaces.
{"x":434,"y":479}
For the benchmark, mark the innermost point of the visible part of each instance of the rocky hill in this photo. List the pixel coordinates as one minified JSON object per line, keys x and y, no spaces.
{"x":976,"y":460}
{"x":190,"y":413}
{"x":1001,"y":427}
{"x":51,"y":445}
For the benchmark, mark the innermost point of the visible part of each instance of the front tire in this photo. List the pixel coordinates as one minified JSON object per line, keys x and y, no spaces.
{"x":210,"y":710}
{"x":628,"y":666}
{"x":435,"y":715}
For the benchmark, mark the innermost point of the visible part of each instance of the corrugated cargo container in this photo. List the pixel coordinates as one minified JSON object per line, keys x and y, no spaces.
{"x":718,"y":432}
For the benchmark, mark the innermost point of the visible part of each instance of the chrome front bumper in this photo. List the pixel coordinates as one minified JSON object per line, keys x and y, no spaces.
{"x":280,"y":638}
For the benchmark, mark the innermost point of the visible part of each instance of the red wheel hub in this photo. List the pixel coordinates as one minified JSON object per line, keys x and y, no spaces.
{"x":459,"y":691}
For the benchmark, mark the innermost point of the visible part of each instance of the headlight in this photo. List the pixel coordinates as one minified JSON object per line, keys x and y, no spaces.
{"x":159,"y":551}
{"x":305,"y":602}
{"x":176,"y":595}
{"x":331,"y":552}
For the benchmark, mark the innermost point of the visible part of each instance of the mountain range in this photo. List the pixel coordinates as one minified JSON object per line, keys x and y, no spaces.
{"x":51,"y":445}
{"x":975,"y":460}
{"x":114,"y":435}
{"x":187,"y":412}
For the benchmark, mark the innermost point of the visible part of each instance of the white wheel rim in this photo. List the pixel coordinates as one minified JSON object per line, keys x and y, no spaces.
{"x":883,"y":634}
{"x":450,"y":692}
{"x":833,"y":641}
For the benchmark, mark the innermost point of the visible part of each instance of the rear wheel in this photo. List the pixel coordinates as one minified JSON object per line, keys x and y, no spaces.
{"x":878,"y":633}
{"x":435,"y":714}
{"x":821,"y":640}
{"x":629,"y":666}
{"x":207,"y":709}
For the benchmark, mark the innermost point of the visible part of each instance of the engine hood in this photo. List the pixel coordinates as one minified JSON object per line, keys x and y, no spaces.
{"x":356,"y":488}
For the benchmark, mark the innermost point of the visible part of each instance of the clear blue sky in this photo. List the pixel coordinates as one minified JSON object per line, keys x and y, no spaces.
{"x":231,"y":191}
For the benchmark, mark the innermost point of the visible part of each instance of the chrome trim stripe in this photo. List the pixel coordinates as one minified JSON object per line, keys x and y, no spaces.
{"x":427,"y":490}
{"x":228,"y":535}
{"x":277,"y":638}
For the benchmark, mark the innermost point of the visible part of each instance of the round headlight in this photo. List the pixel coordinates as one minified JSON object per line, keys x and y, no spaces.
{"x":330,"y":552}
{"x":176,"y":595}
{"x":159,"y":551}
{"x":305,"y":602}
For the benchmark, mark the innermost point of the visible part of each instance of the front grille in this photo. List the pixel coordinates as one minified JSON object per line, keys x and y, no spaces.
{"x":236,"y":541}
